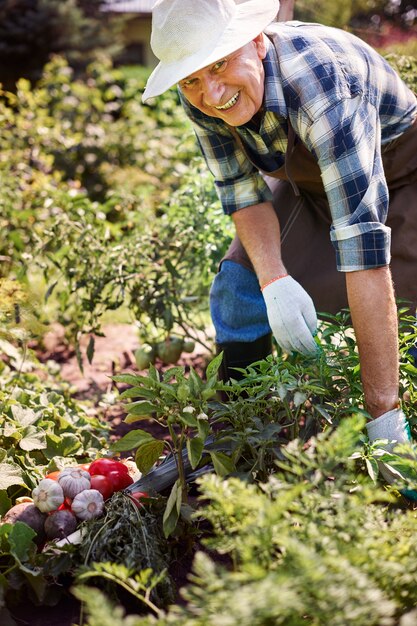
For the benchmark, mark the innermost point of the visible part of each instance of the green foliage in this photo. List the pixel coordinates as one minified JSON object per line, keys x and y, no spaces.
{"x":279,"y":399}
{"x":317,"y":544}
{"x":406,"y":66}
{"x":178,"y":403}
{"x":41,"y":429}
{"x":161,"y":270}
{"x":94,"y":191}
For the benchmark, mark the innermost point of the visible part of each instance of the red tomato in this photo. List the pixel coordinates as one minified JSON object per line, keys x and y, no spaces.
{"x":138,"y":496}
{"x":84,"y":466}
{"x":119,"y":481}
{"x":103,"y":485}
{"x":104,"y":466}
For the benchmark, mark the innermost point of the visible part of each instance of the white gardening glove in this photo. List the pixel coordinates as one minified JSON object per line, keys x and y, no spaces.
{"x":392,"y":427}
{"x":291,"y":315}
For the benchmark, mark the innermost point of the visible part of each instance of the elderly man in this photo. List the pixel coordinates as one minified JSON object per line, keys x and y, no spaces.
{"x":311,"y":138}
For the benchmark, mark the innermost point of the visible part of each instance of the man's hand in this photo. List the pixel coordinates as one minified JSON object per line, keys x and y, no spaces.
{"x":291,"y":315}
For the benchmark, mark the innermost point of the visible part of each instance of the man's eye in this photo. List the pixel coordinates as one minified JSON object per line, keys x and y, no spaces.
{"x":220,"y":65}
{"x":188,"y":82}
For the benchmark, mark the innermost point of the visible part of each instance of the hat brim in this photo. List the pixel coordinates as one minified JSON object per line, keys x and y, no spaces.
{"x":250,"y":19}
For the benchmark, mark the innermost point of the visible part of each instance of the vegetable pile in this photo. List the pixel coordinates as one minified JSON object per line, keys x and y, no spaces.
{"x":65,"y":498}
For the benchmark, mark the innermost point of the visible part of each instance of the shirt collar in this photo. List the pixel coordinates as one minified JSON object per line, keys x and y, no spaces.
{"x":273,"y":92}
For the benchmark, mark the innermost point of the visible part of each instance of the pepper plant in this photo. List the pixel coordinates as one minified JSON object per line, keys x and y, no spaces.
{"x":179,"y":403}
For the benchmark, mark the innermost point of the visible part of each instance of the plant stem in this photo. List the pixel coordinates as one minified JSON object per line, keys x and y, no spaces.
{"x":181,"y":471}
{"x":143,"y":598}
{"x":178,"y":443}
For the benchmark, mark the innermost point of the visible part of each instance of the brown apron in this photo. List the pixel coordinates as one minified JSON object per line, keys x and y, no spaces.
{"x":304,"y":216}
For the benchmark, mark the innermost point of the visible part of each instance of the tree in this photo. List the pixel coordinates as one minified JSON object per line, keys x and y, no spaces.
{"x":32,"y":30}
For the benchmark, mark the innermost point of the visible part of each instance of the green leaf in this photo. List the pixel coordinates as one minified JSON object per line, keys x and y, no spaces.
{"x":33,"y":439}
{"x":131,"y":440}
{"x":172,"y":510}
{"x":20,"y":540}
{"x":372,"y":467}
{"x":195,"y":383}
{"x":136,"y":392}
{"x":5,"y":503}
{"x":323,"y":412}
{"x":131,"y":419}
{"x":188,"y":420}
{"x":128,"y":379}
{"x":50,"y":290}
{"x":90,"y":348}
{"x":10,"y":474}
{"x":148,"y":454}
{"x":214,"y":365}
{"x":203,"y":428}
{"x":37,"y":581}
{"x":299,"y":398}
{"x":66,"y":445}
{"x":142,"y":407}
{"x":195,"y":447}
{"x":223,"y":465}
{"x":24,"y":415}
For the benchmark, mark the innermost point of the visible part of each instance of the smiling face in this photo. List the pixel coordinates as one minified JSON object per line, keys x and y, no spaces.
{"x":232,"y":88}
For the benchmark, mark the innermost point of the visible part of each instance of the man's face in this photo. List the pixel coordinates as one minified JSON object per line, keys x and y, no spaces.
{"x":232,"y":88}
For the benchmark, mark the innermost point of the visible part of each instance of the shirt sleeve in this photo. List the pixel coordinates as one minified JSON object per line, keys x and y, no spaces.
{"x":238,"y":183}
{"x":346,"y":140}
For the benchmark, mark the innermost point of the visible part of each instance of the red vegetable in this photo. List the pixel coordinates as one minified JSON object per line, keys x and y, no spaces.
{"x":138,"y":496}
{"x":53,"y":475}
{"x":66,"y":505}
{"x":104,"y":466}
{"x":119,"y":480}
{"x":103,"y":484}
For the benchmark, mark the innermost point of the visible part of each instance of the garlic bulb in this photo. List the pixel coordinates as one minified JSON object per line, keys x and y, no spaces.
{"x":48,"y":495}
{"x":73,"y":480}
{"x":88,"y":504}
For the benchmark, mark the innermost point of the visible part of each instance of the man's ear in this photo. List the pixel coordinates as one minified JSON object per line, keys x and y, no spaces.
{"x":259,"y":42}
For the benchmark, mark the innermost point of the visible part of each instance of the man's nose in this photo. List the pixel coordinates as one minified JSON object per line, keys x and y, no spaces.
{"x":213,"y":90}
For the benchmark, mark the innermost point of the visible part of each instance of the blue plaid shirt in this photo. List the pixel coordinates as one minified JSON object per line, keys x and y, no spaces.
{"x":344,"y":102}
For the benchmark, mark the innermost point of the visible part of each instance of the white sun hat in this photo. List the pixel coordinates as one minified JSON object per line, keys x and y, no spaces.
{"x":187,"y":35}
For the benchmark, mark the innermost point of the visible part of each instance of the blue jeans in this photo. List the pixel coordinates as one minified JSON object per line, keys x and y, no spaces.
{"x":237,"y":306}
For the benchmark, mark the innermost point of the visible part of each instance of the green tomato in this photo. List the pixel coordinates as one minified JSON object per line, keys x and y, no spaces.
{"x":169,"y":351}
{"x":144,"y":357}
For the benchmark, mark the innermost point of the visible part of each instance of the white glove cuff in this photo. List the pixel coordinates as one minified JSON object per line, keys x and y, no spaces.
{"x":392,"y":425}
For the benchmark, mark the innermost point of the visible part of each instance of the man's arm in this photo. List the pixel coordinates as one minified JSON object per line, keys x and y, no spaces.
{"x":291,"y":313}
{"x":371,"y":300}
{"x":258,"y":229}
{"x":374,"y":316}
